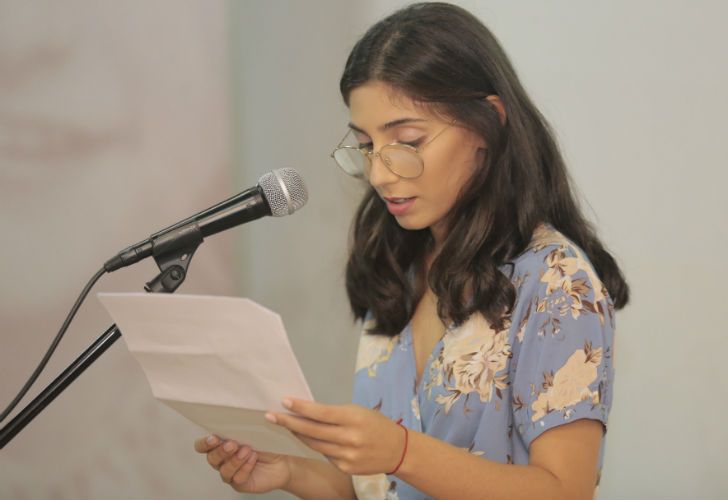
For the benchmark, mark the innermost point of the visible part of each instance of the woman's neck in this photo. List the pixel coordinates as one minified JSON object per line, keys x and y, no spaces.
{"x":438,"y":235}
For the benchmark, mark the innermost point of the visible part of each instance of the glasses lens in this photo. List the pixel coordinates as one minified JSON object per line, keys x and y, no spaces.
{"x":351,"y":161}
{"x":402,"y":160}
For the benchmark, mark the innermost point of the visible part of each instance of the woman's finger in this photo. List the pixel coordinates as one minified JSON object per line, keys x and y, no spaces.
{"x":331,"y":414}
{"x":243,"y":473}
{"x":326,"y":448}
{"x":217,"y":456}
{"x":207,"y":443}
{"x":230,"y":467}
{"x":310,"y":428}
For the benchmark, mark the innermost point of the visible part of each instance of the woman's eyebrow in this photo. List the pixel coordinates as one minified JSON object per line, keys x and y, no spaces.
{"x":389,"y":125}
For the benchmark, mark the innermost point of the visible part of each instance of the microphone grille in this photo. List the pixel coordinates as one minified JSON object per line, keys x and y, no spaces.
{"x":284,"y":190}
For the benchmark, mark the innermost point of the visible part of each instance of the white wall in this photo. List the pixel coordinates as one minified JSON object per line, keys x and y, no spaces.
{"x":287,"y":58}
{"x":636,"y":92}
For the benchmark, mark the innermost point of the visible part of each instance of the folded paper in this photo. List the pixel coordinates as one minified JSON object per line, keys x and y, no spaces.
{"x":222,"y":362}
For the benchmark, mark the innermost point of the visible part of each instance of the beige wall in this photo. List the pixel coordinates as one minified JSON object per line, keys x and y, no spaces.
{"x":114,"y":122}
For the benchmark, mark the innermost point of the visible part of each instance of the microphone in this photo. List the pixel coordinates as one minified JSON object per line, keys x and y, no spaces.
{"x":278,"y":193}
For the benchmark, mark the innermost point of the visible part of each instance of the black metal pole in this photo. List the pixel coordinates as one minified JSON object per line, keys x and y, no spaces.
{"x":174,"y":266}
{"x":58,"y":385}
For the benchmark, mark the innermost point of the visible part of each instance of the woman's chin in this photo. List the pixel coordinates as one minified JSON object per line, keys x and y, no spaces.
{"x":410,"y":223}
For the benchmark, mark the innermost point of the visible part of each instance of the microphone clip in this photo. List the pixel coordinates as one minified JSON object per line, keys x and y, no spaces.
{"x":173,"y":252}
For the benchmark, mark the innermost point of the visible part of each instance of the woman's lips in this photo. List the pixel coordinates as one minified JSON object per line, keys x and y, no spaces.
{"x":399,"y":206}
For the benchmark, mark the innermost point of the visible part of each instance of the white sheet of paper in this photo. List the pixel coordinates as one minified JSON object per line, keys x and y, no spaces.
{"x":222,"y":362}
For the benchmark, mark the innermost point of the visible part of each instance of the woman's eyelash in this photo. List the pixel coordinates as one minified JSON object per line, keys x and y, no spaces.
{"x":414,"y":144}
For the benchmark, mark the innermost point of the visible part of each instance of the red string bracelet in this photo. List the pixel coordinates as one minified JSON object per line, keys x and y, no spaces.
{"x":404,"y":452}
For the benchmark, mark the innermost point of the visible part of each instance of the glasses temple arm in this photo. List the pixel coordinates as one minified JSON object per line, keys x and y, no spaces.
{"x":435,"y":136}
{"x":340,"y":142}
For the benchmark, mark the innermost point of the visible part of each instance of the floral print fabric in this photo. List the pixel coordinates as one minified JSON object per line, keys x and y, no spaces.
{"x":494,"y":392}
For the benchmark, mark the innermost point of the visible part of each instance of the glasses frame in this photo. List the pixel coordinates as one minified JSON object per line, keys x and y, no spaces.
{"x":377,"y":154}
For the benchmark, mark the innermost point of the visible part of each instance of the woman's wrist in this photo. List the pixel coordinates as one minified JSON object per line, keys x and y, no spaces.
{"x":293,"y":466}
{"x":316,"y":479}
{"x":401,"y":448}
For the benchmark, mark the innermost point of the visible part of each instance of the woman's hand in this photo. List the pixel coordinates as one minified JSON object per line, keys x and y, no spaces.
{"x":355,"y":439}
{"x":244,"y":469}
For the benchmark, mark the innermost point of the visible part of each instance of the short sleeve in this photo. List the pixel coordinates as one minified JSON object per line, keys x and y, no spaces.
{"x":562,"y":369}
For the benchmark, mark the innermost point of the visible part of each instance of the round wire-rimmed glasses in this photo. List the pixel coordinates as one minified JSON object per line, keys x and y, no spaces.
{"x":401,"y":159}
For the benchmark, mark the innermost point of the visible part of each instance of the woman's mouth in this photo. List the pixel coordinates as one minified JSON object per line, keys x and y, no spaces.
{"x":398,"y":206}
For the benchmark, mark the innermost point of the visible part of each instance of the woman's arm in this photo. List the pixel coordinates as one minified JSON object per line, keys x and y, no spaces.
{"x":562,"y":465}
{"x":316,"y":479}
{"x":250,"y":471}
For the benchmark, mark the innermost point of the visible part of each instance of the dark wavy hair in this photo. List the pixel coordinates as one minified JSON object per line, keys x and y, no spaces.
{"x":443,"y":57}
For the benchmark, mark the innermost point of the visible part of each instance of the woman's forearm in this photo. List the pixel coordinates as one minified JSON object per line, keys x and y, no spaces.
{"x":316,"y":479}
{"x":444,"y":471}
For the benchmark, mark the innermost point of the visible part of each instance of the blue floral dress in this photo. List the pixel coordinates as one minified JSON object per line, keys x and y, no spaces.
{"x":493,"y":392}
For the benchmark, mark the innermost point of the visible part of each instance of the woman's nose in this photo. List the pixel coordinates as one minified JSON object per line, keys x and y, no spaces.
{"x":379,"y":173}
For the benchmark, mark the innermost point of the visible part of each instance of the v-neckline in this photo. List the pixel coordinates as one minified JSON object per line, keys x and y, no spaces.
{"x":410,"y":341}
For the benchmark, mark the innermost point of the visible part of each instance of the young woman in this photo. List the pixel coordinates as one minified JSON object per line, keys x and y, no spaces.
{"x":485,"y":363}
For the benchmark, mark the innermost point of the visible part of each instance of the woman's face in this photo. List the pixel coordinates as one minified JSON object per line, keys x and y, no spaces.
{"x":379,"y":116}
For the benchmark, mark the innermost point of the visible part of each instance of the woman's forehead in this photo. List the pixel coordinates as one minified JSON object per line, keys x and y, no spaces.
{"x":376,"y":103}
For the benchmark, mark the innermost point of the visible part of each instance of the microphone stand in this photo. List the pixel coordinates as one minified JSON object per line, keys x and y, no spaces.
{"x":173,"y":264}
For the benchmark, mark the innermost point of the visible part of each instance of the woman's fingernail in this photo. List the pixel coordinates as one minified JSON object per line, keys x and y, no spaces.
{"x":243,"y":453}
{"x":211,"y":440}
{"x":271,"y":418}
{"x":229,"y":447}
{"x":287,"y":403}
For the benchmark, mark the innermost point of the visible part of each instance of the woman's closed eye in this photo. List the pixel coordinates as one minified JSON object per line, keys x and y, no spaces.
{"x":367,"y":146}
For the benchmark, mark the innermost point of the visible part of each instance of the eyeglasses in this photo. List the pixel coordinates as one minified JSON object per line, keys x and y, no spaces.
{"x":401,"y":159}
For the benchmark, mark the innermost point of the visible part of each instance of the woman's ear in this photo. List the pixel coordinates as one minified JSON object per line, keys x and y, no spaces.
{"x":498,"y":104}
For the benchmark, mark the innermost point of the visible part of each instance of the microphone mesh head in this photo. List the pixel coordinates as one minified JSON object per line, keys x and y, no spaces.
{"x":284,"y":190}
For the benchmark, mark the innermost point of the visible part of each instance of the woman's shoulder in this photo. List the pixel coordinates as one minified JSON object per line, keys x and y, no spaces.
{"x":545,"y":240}
{"x":555,"y":283}
{"x":551,"y":258}
{"x":374,"y":349}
